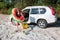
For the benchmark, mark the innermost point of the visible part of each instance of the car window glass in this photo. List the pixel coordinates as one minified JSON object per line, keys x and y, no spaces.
{"x":34,"y":11}
{"x":42,"y":10}
{"x":26,"y":11}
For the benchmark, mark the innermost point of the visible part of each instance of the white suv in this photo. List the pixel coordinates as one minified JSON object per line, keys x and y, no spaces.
{"x":42,"y":15}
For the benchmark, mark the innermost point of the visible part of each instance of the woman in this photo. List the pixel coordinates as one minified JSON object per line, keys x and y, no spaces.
{"x":17,"y":15}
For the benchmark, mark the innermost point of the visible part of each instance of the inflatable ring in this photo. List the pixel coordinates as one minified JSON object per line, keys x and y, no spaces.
{"x":14,"y":11}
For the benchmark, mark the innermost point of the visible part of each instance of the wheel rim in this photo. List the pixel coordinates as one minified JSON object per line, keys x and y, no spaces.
{"x":41,"y":23}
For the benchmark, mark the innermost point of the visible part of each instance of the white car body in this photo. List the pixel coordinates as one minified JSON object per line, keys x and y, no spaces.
{"x":46,"y":16}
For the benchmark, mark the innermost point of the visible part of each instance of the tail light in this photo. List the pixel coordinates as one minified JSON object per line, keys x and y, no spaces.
{"x":52,"y":10}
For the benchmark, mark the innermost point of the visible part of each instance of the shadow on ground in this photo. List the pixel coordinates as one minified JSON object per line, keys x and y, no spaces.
{"x":57,"y":24}
{"x":33,"y":25}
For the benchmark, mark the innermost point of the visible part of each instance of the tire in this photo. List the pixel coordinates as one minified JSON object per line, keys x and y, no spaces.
{"x":42,"y":23}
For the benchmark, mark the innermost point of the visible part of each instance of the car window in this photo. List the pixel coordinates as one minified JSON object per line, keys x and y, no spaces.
{"x":26,"y":11}
{"x":42,"y":10}
{"x":34,"y":11}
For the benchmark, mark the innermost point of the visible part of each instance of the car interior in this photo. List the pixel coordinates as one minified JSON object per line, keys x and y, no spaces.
{"x":26,"y":15}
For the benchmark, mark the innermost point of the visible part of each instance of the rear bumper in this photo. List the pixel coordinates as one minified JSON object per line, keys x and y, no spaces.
{"x":53,"y":20}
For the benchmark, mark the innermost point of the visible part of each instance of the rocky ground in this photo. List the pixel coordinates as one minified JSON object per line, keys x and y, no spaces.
{"x":7,"y":31}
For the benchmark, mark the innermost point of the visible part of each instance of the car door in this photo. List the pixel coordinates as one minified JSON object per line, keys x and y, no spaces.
{"x":26,"y":14}
{"x":33,"y":14}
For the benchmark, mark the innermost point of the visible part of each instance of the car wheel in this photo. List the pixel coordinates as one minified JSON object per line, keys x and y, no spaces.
{"x":42,"y":23}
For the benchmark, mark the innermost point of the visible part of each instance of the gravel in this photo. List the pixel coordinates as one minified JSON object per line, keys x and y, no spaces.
{"x":8,"y":31}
